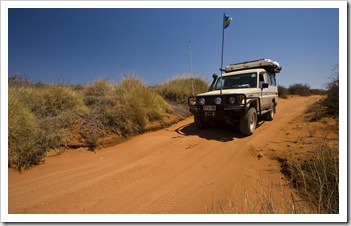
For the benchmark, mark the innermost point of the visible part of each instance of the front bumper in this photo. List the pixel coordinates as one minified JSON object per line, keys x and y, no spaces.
{"x":211,"y":110}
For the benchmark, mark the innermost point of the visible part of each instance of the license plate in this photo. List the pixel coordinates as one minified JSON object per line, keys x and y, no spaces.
{"x":210,"y":113}
{"x":209,"y":108}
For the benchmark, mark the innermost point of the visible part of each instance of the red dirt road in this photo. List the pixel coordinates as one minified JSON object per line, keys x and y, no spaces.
{"x":175,"y":170}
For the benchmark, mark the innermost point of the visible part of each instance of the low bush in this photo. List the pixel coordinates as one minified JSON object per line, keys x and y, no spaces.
{"x":24,"y":150}
{"x":300,"y":89}
{"x":54,"y":100}
{"x":51,"y":110}
{"x":141,"y":105}
{"x":283,"y":92}
{"x":124,"y":109}
{"x":178,"y":89}
{"x":331,"y":101}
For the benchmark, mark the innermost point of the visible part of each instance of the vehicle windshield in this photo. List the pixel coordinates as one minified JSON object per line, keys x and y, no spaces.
{"x":248,"y":80}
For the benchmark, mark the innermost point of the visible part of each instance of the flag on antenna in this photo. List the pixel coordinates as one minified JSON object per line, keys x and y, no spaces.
{"x":226,"y":20}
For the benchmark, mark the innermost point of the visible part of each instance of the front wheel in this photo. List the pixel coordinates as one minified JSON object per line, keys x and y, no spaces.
{"x":248,"y":122}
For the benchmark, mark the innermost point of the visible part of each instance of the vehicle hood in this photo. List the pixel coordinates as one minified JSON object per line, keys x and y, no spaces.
{"x":247,"y":91}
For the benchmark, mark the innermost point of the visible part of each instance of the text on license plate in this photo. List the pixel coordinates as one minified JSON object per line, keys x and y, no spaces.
{"x":209,"y":108}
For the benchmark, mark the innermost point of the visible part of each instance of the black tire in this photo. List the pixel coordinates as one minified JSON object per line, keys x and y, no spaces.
{"x":248,"y":122}
{"x":199,"y":122}
{"x":270,"y":115}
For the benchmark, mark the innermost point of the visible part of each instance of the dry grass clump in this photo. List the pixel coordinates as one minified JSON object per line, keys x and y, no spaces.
{"x":140,"y":104}
{"x":40,"y":118}
{"x":265,"y":198}
{"x":178,"y":89}
{"x":318,"y":180}
{"x":23,"y":148}
{"x":126,"y":108}
{"x":54,"y":100}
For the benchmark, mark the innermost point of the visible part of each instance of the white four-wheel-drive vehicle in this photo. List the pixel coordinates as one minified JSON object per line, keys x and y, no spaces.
{"x":244,"y":92}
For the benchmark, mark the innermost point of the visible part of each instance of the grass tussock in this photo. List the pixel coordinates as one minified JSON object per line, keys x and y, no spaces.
{"x":318,"y":180}
{"x":178,"y":89}
{"x":24,"y":150}
{"x":265,"y":198}
{"x":141,"y":104}
{"x":44,"y":117}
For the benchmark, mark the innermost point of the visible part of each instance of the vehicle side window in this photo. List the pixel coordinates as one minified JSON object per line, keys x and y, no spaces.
{"x":272,"y":80}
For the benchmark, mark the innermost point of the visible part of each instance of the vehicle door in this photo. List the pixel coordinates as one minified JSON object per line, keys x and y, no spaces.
{"x":272,"y":90}
{"x":264,"y":92}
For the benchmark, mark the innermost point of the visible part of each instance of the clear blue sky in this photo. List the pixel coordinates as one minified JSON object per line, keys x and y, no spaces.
{"x":84,"y":45}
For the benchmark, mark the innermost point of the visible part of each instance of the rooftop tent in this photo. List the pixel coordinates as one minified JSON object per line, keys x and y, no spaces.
{"x":267,"y":64}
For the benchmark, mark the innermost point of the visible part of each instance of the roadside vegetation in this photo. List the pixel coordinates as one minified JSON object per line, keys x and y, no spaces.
{"x":43,"y":117}
{"x":316,"y":177}
{"x":298,"y":89}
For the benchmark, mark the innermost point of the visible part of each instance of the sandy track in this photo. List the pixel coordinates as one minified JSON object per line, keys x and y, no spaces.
{"x":175,"y":170}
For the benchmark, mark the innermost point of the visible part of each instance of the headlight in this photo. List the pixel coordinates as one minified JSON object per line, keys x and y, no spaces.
{"x":202,"y":101}
{"x":231,"y":100}
{"x":218,"y":100}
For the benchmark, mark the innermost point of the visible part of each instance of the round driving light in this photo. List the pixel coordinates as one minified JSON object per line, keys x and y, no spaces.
{"x":202,"y":101}
{"x":218,"y":100}
{"x":231,"y":100}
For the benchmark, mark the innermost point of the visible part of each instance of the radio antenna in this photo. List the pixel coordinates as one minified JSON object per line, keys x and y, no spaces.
{"x":191,"y":69}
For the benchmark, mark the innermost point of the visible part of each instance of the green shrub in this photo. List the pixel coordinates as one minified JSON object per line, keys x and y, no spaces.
{"x":57,"y":108}
{"x":99,"y":93}
{"x":23,"y":147}
{"x":331,"y":102}
{"x":53,"y":110}
{"x":300,"y":89}
{"x":178,"y":89}
{"x":140,"y":106}
{"x":125,"y":109}
{"x":282,"y":92}
{"x":55,"y":100}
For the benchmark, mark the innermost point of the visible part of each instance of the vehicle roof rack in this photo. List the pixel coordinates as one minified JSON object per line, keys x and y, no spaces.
{"x":267,"y":64}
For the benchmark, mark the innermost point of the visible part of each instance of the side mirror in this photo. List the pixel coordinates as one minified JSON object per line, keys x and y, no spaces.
{"x":264,"y":85}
